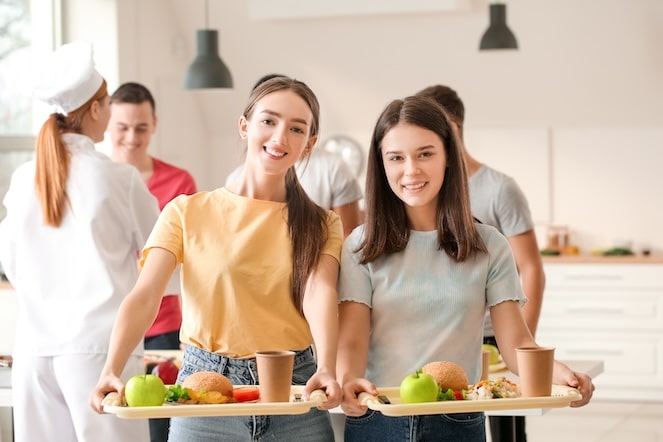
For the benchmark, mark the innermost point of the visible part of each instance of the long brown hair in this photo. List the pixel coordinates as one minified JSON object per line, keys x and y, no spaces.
{"x":306,"y":220}
{"x":387,"y":228}
{"x":52,"y":159}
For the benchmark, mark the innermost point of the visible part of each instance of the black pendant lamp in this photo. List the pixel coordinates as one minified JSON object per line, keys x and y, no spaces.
{"x":498,"y":35}
{"x":207,"y":70}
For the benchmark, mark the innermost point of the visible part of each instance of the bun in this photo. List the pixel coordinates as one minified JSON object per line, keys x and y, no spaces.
{"x":209,"y":387}
{"x":448,"y":375}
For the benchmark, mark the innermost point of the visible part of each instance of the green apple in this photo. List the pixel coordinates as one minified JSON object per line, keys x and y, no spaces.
{"x":419,"y":387}
{"x":494,"y":353}
{"x":145,"y":390}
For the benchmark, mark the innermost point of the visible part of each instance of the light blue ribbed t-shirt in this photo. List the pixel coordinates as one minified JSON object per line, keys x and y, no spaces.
{"x":425,"y":306}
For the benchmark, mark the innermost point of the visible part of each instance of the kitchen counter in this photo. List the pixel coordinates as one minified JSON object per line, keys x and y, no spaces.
{"x":595,"y":259}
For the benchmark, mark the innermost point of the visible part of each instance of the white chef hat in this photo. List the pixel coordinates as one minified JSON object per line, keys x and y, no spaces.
{"x":68,"y":78}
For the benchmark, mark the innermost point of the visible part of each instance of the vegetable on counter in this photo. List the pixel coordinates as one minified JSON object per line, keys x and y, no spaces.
{"x":618,"y":251}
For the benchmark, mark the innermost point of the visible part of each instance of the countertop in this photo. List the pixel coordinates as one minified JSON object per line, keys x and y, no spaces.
{"x":596,"y":259}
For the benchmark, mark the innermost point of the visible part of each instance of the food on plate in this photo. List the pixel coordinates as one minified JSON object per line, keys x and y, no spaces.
{"x":447,"y":375}
{"x":209,"y":387}
{"x":179,"y":394}
{"x":145,"y":390}
{"x":246,"y":394}
{"x":495,"y":357}
{"x":493,"y":389}
{"x":167,"y":371}
{"x":418,"y":387}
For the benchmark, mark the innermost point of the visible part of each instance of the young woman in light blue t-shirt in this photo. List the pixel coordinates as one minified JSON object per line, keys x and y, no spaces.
{"x":418,"y":276}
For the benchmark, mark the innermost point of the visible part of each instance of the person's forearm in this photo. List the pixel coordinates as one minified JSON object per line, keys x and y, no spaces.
{"x":533,"y":282}
{"x":133,"y":320}
{"x":353,"y":341}
{"x":321,"y":312}
{"x":139,"y":309}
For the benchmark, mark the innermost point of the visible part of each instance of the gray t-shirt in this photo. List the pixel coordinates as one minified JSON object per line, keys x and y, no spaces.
{"x":497,"y":200}
{"x":426,"y":306}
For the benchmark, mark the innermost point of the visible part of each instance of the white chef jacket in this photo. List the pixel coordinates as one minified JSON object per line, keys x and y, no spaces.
{"x":70,"y":280}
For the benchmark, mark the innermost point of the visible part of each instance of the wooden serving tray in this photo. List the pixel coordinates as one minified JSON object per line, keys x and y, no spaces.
{"x":297,"y":405}
{"x":560,"y":397}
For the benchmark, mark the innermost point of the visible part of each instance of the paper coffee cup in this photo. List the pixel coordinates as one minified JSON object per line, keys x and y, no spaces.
{"x":535,"y":367}
{"x":275,"y":375}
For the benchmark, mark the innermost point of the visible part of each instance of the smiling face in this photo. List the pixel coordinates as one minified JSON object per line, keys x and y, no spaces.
{"x":414,"y":162}
{"x":278,"y":132}
{"x":130,"y":128}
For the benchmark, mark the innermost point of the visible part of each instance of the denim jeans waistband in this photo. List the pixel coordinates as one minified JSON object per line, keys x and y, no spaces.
{"x":221,"y":360}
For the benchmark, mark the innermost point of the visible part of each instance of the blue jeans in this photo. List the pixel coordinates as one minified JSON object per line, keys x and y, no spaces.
{"x":313,"y":426}
{"x":457,"y":427}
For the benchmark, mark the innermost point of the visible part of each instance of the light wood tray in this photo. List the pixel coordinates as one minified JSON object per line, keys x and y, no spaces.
{"x":561,"y":396}
{"x":112,"y":405}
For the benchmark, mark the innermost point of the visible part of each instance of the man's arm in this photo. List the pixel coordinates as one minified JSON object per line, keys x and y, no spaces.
{"x":528,"y":259}
{"x":350,"y":216}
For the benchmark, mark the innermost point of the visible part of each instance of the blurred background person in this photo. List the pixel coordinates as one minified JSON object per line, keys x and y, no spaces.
{"x":75,"y":223}
{"x":133,"y":122}
{"x":327,"y":180}
{"x":497,"y":200}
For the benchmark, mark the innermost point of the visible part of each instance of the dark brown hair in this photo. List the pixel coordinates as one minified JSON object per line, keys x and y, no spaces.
{"x":449,"y":100}
{"x":387,"y":229}
{"x":307,"y":222}
{"x":134,"y":93}
{"x":52,"y":159}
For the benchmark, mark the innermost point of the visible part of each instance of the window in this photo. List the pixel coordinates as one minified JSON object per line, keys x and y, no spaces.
{"x":27,"y":31}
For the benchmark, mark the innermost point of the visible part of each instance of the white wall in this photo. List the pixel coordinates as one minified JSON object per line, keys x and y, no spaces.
{"x":586,"y":73}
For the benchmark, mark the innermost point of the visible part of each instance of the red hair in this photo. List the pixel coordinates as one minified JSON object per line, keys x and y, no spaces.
{"x":52,"y":159}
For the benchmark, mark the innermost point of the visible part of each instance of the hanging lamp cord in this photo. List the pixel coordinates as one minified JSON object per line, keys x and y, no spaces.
{"x":206,"y":14}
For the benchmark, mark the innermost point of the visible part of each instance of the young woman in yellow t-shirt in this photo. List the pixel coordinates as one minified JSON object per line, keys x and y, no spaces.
{"x":259,"y":267}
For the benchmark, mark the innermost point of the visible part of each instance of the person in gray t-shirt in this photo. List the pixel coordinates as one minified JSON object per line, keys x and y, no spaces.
{"x":497,"y":200}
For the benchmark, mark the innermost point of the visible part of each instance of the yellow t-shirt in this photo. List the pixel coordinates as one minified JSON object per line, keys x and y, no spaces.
{"x":236,"y":257}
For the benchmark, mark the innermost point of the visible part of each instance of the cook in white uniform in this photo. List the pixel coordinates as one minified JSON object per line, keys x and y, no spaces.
{"x":75,"y":223}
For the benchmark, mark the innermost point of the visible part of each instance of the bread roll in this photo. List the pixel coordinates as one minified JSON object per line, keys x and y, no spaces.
{"x":209,"y":387}
{"x":447,"y":375}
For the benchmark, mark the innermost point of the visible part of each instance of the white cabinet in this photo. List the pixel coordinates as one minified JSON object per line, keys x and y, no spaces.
{"x":612,"y":312}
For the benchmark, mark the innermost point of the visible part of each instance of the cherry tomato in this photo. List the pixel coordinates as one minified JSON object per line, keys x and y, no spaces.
{"x":246,"y":394}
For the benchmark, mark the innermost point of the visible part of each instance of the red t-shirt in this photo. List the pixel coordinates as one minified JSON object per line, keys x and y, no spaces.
{"x":167,"y":182}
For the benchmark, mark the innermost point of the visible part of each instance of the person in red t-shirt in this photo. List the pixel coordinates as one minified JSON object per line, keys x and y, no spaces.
{"x":133,"y":121}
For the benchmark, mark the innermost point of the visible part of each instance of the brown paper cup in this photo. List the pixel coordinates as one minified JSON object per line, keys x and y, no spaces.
{"x":485,"y":365}
{"x":275,"y":375}
{"x":535,"y":367}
